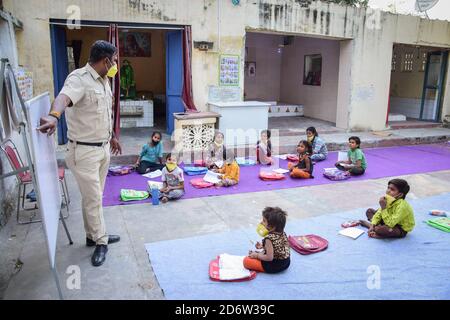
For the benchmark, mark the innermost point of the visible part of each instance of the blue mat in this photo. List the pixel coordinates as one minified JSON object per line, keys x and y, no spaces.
{"x":417,"y":267}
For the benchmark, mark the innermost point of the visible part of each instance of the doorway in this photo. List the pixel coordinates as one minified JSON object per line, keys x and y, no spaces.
{"x":417,"y":83}
{"x":297,"y":75}
{"x":151,"y":68}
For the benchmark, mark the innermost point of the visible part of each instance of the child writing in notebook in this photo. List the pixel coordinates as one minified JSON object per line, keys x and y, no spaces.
{"x":303,"y":169}
{"x":356,"y":164}
{"x":395,"y":218}
{"x":173,"y":180}
{"x":150,"y":158}
{"x":264,"y":148}
{"x":275,"y":254}
{"x":215,"y":155}
{"x":229,"y":171}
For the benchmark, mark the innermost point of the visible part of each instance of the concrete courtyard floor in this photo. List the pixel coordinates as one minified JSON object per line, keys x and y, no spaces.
{"x":127,"y":272}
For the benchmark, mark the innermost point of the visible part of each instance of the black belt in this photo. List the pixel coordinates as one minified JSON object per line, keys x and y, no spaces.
{"x":94,"y":144}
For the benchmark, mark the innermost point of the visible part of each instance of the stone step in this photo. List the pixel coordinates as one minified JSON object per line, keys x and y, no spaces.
{"x":335,"y":141}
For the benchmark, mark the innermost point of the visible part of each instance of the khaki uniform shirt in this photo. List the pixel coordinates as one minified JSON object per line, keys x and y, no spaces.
{"x":90,"y":117}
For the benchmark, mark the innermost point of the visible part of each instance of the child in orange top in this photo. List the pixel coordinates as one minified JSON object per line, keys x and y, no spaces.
{"x":229,"y":171}
{"x":304,"y":168}
{"x":276,"y":255}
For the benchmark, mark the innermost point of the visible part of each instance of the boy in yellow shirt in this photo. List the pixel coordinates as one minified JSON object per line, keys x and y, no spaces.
{"x":229,"y":171}
{"x":395,"y":218}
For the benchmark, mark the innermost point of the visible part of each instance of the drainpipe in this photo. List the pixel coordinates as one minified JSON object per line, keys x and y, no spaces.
{"x":219,"y":21}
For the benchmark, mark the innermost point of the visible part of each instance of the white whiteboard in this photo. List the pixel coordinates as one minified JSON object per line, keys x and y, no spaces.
{"x":46,"y":171}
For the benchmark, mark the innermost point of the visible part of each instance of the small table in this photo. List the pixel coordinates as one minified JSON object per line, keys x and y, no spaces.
{"x":242,"y":121}
{"x":194,"y":131}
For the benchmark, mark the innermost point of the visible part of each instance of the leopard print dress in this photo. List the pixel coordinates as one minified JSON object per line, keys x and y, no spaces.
{"x":281,"y":253}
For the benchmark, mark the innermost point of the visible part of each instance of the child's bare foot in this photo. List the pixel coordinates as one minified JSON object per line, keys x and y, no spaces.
{"x":365,"y":223}
{"x":164,"y":199}
{"x":374,"y":235}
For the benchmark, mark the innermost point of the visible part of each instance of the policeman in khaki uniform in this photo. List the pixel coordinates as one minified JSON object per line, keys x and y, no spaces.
{"x":88,"y":96}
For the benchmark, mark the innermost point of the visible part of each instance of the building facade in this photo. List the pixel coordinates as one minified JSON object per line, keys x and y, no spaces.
{"x":350,"y":66}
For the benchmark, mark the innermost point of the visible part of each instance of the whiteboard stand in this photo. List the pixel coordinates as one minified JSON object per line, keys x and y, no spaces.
{"x":44,"y":173}
{"x":62,"y":218}
{"x":58,"y":286}
{"x":50,"y":210}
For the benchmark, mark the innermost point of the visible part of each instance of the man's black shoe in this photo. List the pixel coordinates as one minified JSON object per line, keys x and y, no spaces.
{"x":111,"y":239}
{"x":99,"y":255}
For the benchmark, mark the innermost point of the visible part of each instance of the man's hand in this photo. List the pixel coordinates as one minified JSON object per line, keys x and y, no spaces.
{"x":47,"y":125}
{"x":115,"y":147}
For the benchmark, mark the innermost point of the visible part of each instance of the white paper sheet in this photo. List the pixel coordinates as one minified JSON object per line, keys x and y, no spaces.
{"x":281,"y":156}
{"x":155,"y":184}
{"x":342,"y":156}
{"x":351,"y":232}
{"x":154,"y":174}
{"x":212,"y":177}
{"x":281,"y":170}
{"x":219,"y":164}
{"x":232,"y":267}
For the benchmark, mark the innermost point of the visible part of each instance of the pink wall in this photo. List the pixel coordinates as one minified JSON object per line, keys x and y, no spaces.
{"x":263,"y":49}
{"x":319,"y":102}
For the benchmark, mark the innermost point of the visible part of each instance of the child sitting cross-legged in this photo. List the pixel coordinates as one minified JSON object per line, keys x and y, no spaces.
{"x":395,"y":218}
{"x":264,"y":148}
{"x":215,"y":155}
{"x":276,"y":255}
{"x":356,"y":164}
{"x":319,"y":148}
{"x":173,"y":179}
{"x":150,"y":158}
{"x":229,"y":172}
{"x":303,"y":169}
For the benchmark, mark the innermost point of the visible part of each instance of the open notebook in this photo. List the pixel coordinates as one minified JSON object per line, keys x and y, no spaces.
{"x":212,"y":177}
{"x":352,"y":232}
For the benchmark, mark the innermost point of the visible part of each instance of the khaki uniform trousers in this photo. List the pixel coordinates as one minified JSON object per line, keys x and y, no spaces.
{"x":89,"y":165}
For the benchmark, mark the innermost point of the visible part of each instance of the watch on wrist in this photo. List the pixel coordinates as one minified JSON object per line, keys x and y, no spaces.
{"x":55,"y":114}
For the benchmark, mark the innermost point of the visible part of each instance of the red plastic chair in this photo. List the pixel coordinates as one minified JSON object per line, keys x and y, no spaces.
{"x":24,"y":178}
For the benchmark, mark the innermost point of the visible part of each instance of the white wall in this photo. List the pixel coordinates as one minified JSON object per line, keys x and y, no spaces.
{"x":344,"y":83}
{"x":263,"y":49}
{"x":319,"y":101}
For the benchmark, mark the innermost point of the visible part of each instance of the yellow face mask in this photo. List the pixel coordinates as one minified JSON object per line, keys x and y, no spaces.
{"x":310,"y":139}
{"x":112,"y":71}
{"x":389,"y":200}
{"x":262,"y":230}
{"x":171,"y":166}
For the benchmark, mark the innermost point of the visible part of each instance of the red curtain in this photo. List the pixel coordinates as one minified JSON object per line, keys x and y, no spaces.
{"x":113,"y":37}
{"x":187,"y":96}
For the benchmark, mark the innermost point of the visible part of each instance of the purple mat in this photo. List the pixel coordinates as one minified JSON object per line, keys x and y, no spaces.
{"x":382,"y":162}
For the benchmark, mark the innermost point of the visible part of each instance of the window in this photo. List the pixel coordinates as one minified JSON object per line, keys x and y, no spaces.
{"x":312,"y":74}
{"x":408,"y":62}
{"x":70,"y":58}
{"x":394,"y":62}
{"x":423,"y":62}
